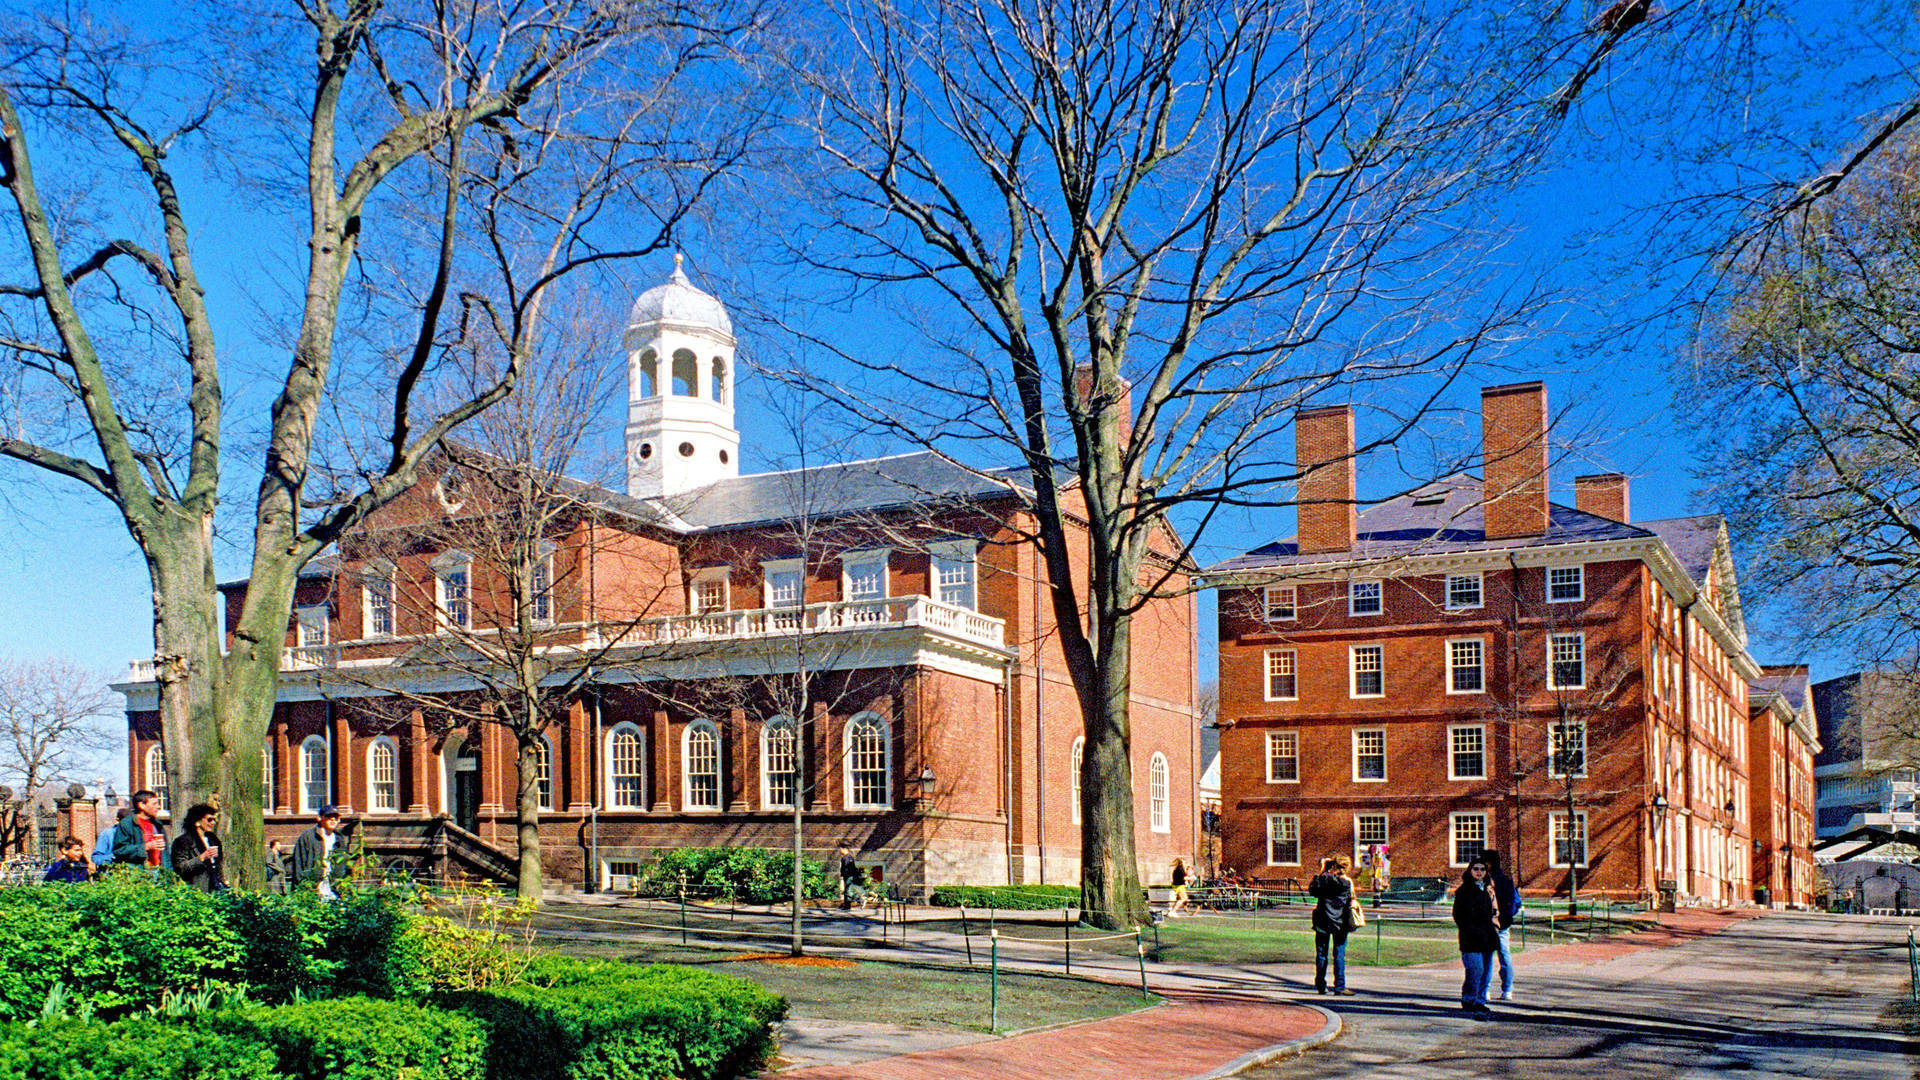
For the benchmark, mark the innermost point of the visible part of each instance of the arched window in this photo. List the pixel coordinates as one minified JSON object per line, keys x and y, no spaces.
{"x":700,"y":761}
{"x":626,"y":768}
{"x":1157,"y":793}
{"x":779,"y":763}
{"x":719,"y":380}
{"x":544,"y":770}
{"x":648,"y":370}
{"x":1079,"y":759}
{"x":869,"y":763}
{"x":383,"y":776}
{"x":315,"y":775}
{"x":157,"y":775}
{"x":686,"y":374}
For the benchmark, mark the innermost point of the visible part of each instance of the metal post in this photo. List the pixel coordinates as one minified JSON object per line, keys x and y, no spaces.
{"x":1377,"y":920}
{"x":993,"y":978}
{"x":1066,"y":941}
{"x":683,"y":915}
{"x":966,"y":934}
{"x":1140,"y":950}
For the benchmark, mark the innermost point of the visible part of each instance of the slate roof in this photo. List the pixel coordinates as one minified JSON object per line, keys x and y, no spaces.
{"x":1792,"y":688}
{"x":1692,"y":541}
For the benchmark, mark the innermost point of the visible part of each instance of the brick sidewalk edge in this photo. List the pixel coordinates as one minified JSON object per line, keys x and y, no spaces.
{"x":1329,"y":1031}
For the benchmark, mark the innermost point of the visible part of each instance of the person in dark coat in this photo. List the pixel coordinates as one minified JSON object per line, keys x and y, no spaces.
{"x":72,"y":867}
{"x":196,"y":851}
{"x":1475,"y":915}
{"x":141,"y":839}
{"x":850,"y":890}
{"x":313,"y":861}
{"x":1332,"y":891}
{"x":1507,"y":904}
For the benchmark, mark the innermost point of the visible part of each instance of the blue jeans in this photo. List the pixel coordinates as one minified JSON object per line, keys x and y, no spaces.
{"x":1321,"y":943}
{"x":1506,"y":967}
{"x":1473,"y":989}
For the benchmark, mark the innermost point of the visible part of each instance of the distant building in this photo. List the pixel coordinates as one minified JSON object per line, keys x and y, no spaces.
{"x":1856,"y":787}
{"x":1783,"y":737}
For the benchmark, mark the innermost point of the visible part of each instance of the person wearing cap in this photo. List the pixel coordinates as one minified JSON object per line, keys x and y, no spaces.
{"x":313,"y":852}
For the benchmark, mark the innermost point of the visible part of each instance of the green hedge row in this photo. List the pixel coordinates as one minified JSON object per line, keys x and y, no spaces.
{"x":749,"y":875}
{"x":1009,"y":897}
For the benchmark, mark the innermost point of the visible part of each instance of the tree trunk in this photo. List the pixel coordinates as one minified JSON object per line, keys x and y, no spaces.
{"x":1573,"y":864}
{"x":1110,"y":894}
{"x":527,"y":819}
{"x":802,"y":788}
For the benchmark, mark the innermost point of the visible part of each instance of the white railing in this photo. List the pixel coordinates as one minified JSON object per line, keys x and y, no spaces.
{"x":836,"y":616}
{"x":308,"y":657}
{"x":140,"y":670}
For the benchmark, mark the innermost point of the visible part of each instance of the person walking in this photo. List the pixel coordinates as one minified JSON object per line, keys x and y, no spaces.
{"x":103,"y":850}
{"x":1506,"y":897}
{"x":1334,"y":917}
{"x":276,"y":867}
{"x":1179,"y":906}
{"x":141,"y":839}
{"x":313,"y":861}
{"x":196,"y":851}
{"x":849,"y":878}
{"x":72,"y":867}
{"x":1475,"y":914}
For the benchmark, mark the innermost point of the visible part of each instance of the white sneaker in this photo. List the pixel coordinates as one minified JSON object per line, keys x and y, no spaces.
{"x":1506,"y":995}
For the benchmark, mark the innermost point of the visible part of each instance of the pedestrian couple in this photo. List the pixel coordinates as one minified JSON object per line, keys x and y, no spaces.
{"x":1335,"y":915}
{"x":1484,"y":907}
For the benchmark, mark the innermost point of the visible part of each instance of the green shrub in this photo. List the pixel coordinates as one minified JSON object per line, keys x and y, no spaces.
{"x":600,"y":1020}
{"x":137,"y":1048}
{"x":1009,"y":897}
{"x":40,"y":944}
{"x":285,"y":943}
{"x":361,"y":1038}
{"x":750,"y":875}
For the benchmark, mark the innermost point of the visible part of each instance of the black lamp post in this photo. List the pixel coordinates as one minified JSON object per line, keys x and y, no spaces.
{"x":1659,"y":810}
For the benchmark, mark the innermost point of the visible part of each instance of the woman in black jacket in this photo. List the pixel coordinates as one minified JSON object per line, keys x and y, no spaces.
{"x":196,"y":851}
{"x":1333,"y":892}
{"x":1475,"y":913}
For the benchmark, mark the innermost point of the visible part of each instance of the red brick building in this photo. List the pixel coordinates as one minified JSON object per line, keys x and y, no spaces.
{"x":1783,"y":735}
{"x":1471,"y":665}
{"x":945,"y":733}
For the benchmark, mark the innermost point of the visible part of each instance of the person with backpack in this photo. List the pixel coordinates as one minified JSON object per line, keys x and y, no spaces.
{"x":141,"y":839}
{"x":1335,"y":915}
{"x":1507,"y":897}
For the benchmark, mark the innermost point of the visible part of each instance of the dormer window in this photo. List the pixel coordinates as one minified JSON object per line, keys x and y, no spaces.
{"x":864,"y":575}
{"x":952,"y":568}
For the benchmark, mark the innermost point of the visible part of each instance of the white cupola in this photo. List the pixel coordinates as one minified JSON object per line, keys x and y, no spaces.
{"x":680,"y":385}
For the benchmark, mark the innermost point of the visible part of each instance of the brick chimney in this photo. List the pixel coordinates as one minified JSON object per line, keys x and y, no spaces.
{"x":1083,"y":392}
{"x":1513,"y":426}
{"x":1323,"y":450}
{"x":1603,"y":495}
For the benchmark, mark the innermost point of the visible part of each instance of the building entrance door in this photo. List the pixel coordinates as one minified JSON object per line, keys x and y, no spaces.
{"x":463,"y":785}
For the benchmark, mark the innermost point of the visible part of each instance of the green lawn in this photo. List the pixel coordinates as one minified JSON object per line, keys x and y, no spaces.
{"x":1240,"y":940}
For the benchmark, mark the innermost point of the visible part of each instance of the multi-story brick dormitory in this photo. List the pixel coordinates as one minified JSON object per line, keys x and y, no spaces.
{"x":944,"y":732}
{"x":1783,"y":738}
{"x":1472,"y":665}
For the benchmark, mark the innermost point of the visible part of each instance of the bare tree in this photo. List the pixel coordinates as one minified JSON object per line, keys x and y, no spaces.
{"x":456,"y":164}
{"x":1138,"y":239}
{"x":56,"y":719}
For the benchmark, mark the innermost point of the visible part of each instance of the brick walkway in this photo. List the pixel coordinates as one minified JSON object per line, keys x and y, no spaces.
{"x":1191,"y":1035}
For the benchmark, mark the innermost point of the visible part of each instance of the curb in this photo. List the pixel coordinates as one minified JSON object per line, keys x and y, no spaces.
{"x":1327,"y":1033}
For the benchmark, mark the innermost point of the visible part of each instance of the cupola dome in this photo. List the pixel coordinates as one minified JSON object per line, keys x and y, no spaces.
{"x":676,"y":302}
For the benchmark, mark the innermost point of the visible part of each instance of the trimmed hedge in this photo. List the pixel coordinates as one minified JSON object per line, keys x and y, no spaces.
{"x":138,"y":1048}
{"x":603,"y":1020}
{"x":1007,"y":897}
{"x":364,"y":1039}
{"x":750,"y":875}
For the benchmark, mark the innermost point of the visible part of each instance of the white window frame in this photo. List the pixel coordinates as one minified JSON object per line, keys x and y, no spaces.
{"x":701,"y":578}
{"x":375,"y":804}
{"x":1452,"y":667}
{"x":1580,"y":584}
{"x":1293,"y":820}
{"x":1271,"y":602}
{"x":611,"y":791}
{"x":773,"y":568}
{"x":543,"y":773}
{"x":1553,"y":740}
{"x":312,"y":626}
{"x":1379,"y":596}
{"x":1453,"y":751}
{"x":377,"y":580}
{"x":1355,"y":738}
{"x":1353,"y":671}
{"x":1556,"y":821}
{"x":1159,"y":794}
{"x":540,"y":604}
{"x":1293,"y":662}
{"x":854,"y":725}
{"x":269,"y":771}
{"x":308,"y":803}
{"x":1275,"y":740}
{"x":948,"y":557}
{"x":1479,"y":591}
{"x":1453,"y":834}
{"x":710,"y":730}
{"x":767,"y":730}
{"x":1386,"y":833}
{"x":443,"y":600}
{"x":1078,"y":760}
{"x":156,"y":770}
{"x":1553,"y":675}
{"x":852,"y":561}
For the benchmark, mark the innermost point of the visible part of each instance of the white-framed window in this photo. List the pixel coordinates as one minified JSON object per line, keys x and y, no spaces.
{"x":863,"y":575}
{"x":267,"y":776}
{"x":316,"y":774}
{"x":1282,"y":603}
{"x":1467,"y":752}
{"x":1370,"y":754}
{"x":626,"y":768}
{"x":700,"y":766}
{"x":1079,"y":761}
{"x":542,"y":599}
{"x":1283,"y":839}
{"x":952,"y":564}
{"x":1567,"y":660}
{"x":1363,"y":597}
{"x":780,"y":583}
{"x":1566,"y":584}
{"x":543,"y":771}
{"x":1158,"y":817}
{"x":1283,"y":757}
{"x":376,"y":600}
{"x":1369,"y":832}
{"x":157,"y":776}
{"x":1466,"y":666}
{"x":779,"y":763}
{"x":1367,"y":676}
{"x":1468,"y":835}
{"x":383,"y":776}
{"x":869,"y":763}
{"x":1283,"y":677}
{"x":311,"y":626}
{"x":1567,"y":748}
{"x":1567,"y":838}
{"x":1464,"y":592}
{"x":707,"y":592}
{"x":452,"y":589}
